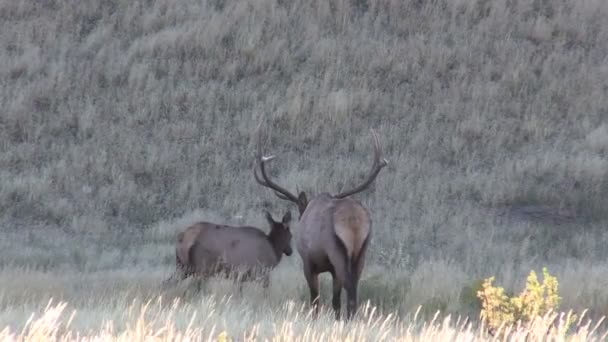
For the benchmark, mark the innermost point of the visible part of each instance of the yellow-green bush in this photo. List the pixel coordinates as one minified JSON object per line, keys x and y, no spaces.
{"x":535,"y":300}
{"x":224,"y":337}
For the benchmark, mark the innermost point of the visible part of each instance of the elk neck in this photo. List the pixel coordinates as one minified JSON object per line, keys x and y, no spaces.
{"x":273,"y":238}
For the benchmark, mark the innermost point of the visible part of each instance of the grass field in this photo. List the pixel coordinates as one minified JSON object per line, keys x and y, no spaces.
{"x":123,"y":121}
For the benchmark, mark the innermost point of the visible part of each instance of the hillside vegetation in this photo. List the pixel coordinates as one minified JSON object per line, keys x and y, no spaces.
{"x":123,"y":121}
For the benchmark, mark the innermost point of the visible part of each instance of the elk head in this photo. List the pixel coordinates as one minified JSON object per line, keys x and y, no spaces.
{"x":280,"y":235}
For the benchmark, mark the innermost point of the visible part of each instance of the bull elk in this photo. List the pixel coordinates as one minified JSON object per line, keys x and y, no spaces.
{"x":205,"y":249}
{"x":333,"y":232}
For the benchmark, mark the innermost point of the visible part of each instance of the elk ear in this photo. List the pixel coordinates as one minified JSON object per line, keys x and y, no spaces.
{"x":286,"y":217}
{"x":269,"y":217}
{"x":302,"y":198}
{"x":302,"y":202}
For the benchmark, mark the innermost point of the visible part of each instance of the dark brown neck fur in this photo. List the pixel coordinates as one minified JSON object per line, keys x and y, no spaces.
{"x":272,"y":237}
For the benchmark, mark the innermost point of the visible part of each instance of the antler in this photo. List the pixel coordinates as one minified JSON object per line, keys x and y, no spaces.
{"x":265,"y":181}
{"x":379,"y":163}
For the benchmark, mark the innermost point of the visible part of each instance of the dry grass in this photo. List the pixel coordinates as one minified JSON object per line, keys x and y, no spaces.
{"x":221,"y":320}
{"x":122,"y":120}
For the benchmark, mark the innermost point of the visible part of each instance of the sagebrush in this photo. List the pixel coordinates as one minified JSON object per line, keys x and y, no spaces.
{"x":536,"y":301}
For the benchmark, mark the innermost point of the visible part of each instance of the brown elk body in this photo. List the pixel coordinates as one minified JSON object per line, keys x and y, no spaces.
{"x":333,"y":234}
{"x":205,"y":249}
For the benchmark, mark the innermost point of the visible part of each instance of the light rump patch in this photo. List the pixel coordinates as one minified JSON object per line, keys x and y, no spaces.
{"x":185,"y":241}
{"x":352,"y":226}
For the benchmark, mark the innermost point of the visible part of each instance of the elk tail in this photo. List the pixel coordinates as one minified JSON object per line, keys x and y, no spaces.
{"x":190,"y":268}
{"x":178,"y":261}
{"x":184,"y":255}
{"x":358,"y":258}
{"x":352,"y":240}
{"x":348,"y":259}
{"x":351,"y":261}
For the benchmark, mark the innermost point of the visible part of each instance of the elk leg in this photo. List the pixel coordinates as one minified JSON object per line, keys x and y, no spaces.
{"x":313,"y":284}
{"x":356,"y":271}
{"x":266,"y":282}
{"x":351,"y":294}
{"x":336,"y":300}
{"x":265,"y":279}
{"x":240,"y":287}
{"x":238,"y":279}
{"x":199,"y":284}
{"x":169,"y":281}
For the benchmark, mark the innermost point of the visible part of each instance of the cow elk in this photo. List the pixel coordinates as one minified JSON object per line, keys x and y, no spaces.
{"x":205,"y":249}
{"x":333,"y":232}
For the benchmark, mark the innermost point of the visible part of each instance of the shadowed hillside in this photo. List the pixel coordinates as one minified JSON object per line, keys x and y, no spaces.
{"x":120,"y":119}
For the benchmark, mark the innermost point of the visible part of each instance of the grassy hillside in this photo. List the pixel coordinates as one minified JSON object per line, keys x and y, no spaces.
{"x":122,"y":121}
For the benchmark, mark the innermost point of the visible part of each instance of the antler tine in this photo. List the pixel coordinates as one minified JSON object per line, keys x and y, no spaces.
{"x":258,"y":155}
{"x":263,"y":183}
{"x":379,"y":163}
{"x":281,"y":196}
{"x":255,"y":174}
{"x":378,"y":150}
{"x":265,"y":180}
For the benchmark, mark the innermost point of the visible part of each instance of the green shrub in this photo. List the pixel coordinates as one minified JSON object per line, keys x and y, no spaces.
{"x":224,"y":337}
{"x":536,"y":300}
